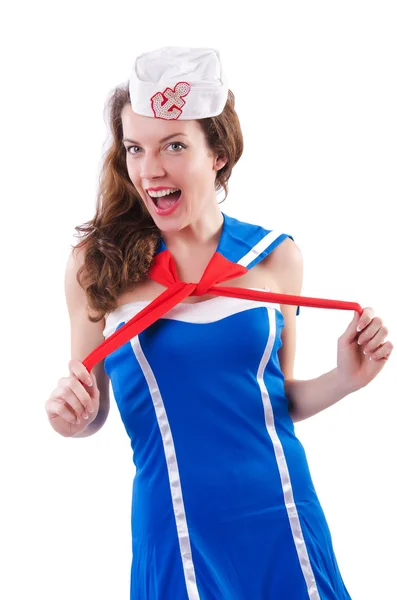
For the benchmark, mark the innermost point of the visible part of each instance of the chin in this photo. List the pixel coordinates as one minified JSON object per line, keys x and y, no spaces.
{"x":170,"y":224}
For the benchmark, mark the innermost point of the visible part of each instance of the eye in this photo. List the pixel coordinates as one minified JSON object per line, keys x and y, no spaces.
{"x":177,"y":144}
{"x":128,"y":149}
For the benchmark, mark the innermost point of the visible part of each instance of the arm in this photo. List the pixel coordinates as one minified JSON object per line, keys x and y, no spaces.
{"x":311,"y":396}
{"x":85,"y":337}
{"x":306,"y":397}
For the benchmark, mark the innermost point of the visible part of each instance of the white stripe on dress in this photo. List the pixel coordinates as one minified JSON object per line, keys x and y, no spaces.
{"x":173,"y":471}
{"x":283,"y":468}
{"x":206,"y":311}
{"x":259,"y":248}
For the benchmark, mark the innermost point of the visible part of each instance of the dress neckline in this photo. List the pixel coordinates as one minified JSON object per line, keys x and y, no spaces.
{"x":162,"y":248}
{"x":124,"y":306}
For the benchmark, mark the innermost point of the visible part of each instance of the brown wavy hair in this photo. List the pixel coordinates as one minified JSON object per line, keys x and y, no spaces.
{"x":121,"y":240}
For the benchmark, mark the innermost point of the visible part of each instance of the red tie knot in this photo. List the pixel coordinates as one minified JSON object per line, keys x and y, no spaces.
{"x":201,"y":288}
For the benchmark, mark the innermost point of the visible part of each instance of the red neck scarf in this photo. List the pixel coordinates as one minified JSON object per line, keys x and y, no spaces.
{"x":219,"y":270}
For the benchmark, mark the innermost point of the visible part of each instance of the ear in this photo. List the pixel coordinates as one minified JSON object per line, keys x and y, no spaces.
{"x":220,"y":162}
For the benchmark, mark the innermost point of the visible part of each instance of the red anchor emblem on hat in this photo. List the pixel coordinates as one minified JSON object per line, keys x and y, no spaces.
{"x":168,"y":104}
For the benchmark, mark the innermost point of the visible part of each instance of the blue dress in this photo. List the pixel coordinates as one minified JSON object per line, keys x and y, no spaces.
{"x":223,"y":504}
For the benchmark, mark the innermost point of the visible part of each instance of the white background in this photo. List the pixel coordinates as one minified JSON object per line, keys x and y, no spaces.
{"x":315,"y":86}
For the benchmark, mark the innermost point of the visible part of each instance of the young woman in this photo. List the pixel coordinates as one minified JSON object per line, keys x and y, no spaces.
{"x":224,"y":507}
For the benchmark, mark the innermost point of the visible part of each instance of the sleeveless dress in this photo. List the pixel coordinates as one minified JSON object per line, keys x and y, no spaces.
{"x":223,"y":503}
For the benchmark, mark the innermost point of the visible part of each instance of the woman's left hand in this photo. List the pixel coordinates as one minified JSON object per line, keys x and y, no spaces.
{"x":362,"y":355}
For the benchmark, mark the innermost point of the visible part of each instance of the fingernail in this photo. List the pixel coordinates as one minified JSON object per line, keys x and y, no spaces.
{"x":89,"y":382}
{"x":359,"y":327}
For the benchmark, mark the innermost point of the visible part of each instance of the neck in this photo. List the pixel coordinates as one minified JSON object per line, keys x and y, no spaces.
{"x":204,"y":231}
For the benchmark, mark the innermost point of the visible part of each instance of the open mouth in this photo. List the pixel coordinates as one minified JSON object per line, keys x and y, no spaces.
{"x":165,"y":205}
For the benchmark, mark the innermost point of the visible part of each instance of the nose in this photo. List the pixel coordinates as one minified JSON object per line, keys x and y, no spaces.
{"x":151,"y":166}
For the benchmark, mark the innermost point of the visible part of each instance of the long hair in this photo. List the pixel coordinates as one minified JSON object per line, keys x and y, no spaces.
{"x":121,"y":240}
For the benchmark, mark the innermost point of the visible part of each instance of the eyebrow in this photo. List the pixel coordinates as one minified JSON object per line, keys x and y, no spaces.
{"x":161,"y":141}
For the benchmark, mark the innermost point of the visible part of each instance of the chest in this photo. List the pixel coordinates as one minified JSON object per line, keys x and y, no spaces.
{"x":260,"y":276}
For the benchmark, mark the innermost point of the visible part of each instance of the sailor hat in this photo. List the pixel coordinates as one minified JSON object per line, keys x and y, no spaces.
{"x":176,"y":82}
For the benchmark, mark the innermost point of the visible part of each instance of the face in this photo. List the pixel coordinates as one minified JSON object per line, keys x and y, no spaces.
{"x":182,"y":162}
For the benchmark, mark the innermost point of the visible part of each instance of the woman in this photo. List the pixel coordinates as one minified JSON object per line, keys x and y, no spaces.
{"x":223,"y":502}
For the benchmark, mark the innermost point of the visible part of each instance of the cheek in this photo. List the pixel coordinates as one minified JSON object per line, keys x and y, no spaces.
{"x":132,"y":171}
{"x":198,"y":173}
{"x":134,"y":177}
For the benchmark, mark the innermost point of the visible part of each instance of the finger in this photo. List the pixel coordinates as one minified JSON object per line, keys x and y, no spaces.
{"x":350,"y":334}
{"x":78,"y":388}
{"x":57,"y":408}
{"x":70,"y":395}
{"x":370,"y":341}
{"x":366,"y":317}
{"x":82,"y":394}
{"x":77,"y":369}
{"x":383,"y":352}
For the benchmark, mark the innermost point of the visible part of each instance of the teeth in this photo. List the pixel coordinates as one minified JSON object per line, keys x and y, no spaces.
{"x":162,"y":193}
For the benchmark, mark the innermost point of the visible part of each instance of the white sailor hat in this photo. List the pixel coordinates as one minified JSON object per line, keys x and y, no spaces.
{"x":176,"y":82}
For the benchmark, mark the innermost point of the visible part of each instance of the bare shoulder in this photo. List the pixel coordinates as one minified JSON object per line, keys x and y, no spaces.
{"x":286,"y":261}
{"x":286,"y":264}
{"x":85,"y":335}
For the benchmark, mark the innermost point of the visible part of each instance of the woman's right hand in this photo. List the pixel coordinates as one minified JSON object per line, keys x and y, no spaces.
{"x":73,"y":404}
